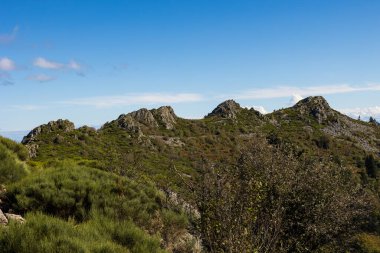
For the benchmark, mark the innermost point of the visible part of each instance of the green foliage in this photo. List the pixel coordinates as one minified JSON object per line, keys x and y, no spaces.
{"x":270,"y":201}
{"x":323,"y":142}
{"x":113,"y":207}
{"x":42,"y":233}
{"x":74,"y":191}
{"x":18,"y":149}
{"x":367,"y":243}
{"x":11,"y":169}
{"x":371,"y":166}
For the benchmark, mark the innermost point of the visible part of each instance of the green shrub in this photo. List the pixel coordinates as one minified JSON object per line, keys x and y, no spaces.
{"x":42,"y":233}
{"x":11,"y":170}
{"x":15,"y":147}
{"x":73,"y":191}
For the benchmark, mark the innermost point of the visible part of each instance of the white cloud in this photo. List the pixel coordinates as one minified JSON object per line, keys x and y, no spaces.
{"x":78,"y":68}
{"x":364,"y":112}
{"x":258,"y":108}
{"x":289,"y":91}
{"x":40,"y":78}
{"x":7,"y":64}
{"x":27,"y":107}
{"x":135,"y":99}
{"x":74,"y":65}
{"x":295,"y":99}
{"x":7,"y":38}
{"x":45,"y":64}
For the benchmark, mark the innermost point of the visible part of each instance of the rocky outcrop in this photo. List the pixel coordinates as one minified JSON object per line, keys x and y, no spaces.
{"x":166,"y":116}
{"x":144,"y":116}
{"x":3,"y":219}
{"x":227,"y":109}
{"x":14,"y":217}
{"x":52,"y":126}
{"x":128,"y":123}
{"x":316,"y":107}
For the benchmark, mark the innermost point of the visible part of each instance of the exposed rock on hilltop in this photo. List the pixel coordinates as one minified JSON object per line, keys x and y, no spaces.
{"x":52,"y":126}
{"x":227,"y":109}
{"x":316,"y":107}
{"x":144,"y":116}
{"x":165,"y":115}
{"x":136,"y":121}
{"x":128,"y":123}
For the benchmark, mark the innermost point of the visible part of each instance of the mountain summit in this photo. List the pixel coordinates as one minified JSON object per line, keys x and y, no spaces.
{"x":227,"y":109}
{"x":316,"y":107}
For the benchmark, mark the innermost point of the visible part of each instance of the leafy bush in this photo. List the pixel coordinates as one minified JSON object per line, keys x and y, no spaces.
{"x":114,"y":207}
{"x":271,"y":201}
{"x":42,"y":233}
{"x":73,"y":191}
{"x":18,"y":149}
{"x":11,"y":170}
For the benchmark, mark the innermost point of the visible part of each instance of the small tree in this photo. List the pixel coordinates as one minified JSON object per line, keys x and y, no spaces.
{"x":371,"y":166}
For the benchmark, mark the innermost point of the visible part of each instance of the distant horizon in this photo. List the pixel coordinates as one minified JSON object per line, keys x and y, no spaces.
{"x":88,"y":61}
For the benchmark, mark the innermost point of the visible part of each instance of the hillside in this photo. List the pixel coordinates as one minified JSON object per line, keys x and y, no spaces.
{"x":154,"y":140}
{"x":154,"y":172}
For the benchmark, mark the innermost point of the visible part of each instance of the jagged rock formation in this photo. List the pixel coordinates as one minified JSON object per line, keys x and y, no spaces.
{"x":3,"y":219}
{"x":227,"y":109}
{"x":144,"y":116}
{"x":52,"y":126}
{"x":316,"y":107}
{"x":136,"y":121}
{"x":165,"y":115}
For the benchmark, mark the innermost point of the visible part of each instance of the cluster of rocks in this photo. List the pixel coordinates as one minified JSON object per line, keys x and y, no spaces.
{"x":5,"y":218}
{"x":316,"y":107}
{"x":228,"y":109}
{"x":136,"y":121}
{"x":52,"y":126}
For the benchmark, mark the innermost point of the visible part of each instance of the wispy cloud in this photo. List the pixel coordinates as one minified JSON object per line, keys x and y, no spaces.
{"x":135,"y":99}
{"x":46,"y":64}
{"x":7,"y":38}
{"x":7,"y":64}
{"x":290,"y":91}
{"x":364,"y":112}
{"x":40,"y":78}
{"x":27,"y":107}
{"x":73,"y":65}
{"x":78,"y":68}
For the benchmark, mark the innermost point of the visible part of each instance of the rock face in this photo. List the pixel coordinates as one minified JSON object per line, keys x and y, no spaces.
{"x":15,"y":217}
{"x":144,"y":116}
{"x":316,"y":107}
{"x":227,"y":109}
{"x":3,"y":219}
{"x":136,"y":121}
{"x":165,"y":115}
{"x":128,"y":123}
{"x":52,"y":126}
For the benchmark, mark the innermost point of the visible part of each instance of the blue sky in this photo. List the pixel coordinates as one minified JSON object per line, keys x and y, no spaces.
{"x":89,"y":61}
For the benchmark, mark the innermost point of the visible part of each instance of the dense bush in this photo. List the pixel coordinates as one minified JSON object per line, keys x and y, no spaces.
{"x":17,"y":148}
{"x":45,"y":234}
{"x":72,"y":191}
{"x":271,"y":201}
{"x":113,"y":207}
{"x":11,"y":169}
